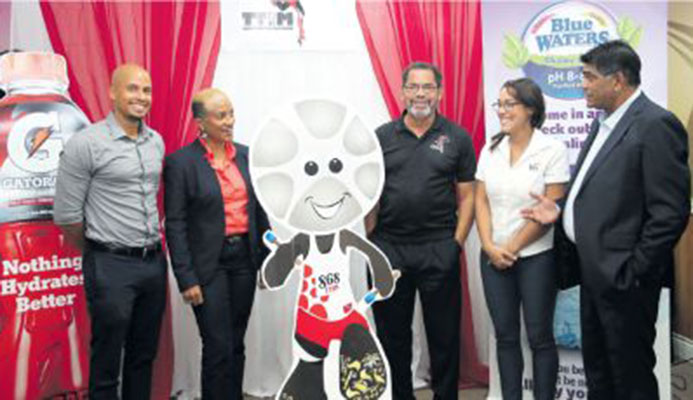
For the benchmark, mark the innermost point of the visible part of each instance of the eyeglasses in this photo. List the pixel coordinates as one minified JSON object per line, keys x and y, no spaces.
{"x":414,"y":88}
{"x":507,"y":106}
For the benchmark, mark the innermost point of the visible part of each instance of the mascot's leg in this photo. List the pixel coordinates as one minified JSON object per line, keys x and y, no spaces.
{"x":362,"y":370}
{"x":305,"y":382}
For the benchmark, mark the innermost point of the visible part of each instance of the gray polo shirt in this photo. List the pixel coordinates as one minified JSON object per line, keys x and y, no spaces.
{"x":110,"y":182}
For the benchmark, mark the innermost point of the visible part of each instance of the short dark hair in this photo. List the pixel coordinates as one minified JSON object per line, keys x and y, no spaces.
{"x":198,"y":109}
{"x":425,"y":66}
{"x":614,"y":56}
{"x":529,"y":94}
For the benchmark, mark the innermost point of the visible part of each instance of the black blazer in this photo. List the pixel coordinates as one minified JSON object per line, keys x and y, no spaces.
{"x":633,"y":204}
{"x":194,"y":210}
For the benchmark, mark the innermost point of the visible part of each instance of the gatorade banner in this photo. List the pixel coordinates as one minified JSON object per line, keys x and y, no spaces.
{"x":543,"y":41}
{"x":44,"y":328}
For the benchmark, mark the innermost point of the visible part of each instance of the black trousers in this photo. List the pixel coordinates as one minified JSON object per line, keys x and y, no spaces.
{"x":618,"y":332}
{"x":530,"y":284}
{"x":432,"y":268}
{"x":126,"y":297}
{"x":223,"y":319}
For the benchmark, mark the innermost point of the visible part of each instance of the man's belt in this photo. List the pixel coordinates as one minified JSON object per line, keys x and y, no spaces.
{"x":137,"y":252}
{"x":236,"y":239}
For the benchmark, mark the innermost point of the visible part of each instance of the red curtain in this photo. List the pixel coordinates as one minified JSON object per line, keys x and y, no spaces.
{"x":177,"y":42}
{"x":447,"y":34}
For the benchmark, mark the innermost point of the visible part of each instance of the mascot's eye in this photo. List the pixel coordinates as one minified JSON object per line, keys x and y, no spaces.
{"x":311,"y":168}
{"x":335,"y":165}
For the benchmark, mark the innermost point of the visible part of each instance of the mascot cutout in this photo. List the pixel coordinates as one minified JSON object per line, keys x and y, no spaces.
{"x":319,"y":170}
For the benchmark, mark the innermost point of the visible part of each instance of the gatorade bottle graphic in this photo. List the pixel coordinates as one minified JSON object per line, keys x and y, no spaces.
{"x":44,"y":329}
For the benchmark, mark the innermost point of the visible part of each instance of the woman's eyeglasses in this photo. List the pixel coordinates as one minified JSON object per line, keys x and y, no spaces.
{"x":505,"y":106}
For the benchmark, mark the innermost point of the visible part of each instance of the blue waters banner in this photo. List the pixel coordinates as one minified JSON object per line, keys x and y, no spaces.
{"x":543,"y":40}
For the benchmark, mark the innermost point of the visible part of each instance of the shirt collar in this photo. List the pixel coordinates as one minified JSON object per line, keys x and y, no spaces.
{"x":230,"y":150}
{"x":612,"y":120}
{"x":117,"y":131}
{"x":536,"y":143}
{"x":437,"y":124}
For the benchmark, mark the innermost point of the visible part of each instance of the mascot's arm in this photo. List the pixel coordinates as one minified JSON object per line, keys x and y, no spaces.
{"x":383,"y":278}
{"x":283,"y":258}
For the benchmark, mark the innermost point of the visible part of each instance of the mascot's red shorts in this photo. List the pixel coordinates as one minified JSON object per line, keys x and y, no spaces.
{"x":321,"y":331}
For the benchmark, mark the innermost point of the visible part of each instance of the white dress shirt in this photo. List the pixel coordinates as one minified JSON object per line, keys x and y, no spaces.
{"x":606,"y":125}
{"x":544,"y":161}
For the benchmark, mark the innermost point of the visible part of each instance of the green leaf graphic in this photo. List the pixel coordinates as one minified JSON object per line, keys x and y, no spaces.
{"x":629,"y":31}
{"x":635,"y":37}
{"x":515,"y":54}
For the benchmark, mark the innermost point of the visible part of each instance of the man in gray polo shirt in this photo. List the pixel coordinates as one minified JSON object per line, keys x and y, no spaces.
{"x":105,"y":203}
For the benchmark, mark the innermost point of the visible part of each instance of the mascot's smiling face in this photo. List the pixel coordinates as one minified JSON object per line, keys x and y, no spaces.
{"x":316,"y":167}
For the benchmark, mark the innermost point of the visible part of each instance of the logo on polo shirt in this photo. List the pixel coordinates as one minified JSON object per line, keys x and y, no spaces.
{"x":439,"y":143}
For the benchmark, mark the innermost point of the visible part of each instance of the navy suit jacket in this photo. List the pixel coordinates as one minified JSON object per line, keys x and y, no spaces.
{"x":195,"y":224}
{"x":633,"y":204}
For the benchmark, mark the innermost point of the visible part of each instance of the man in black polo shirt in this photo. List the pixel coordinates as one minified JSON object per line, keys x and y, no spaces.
{"x":420,"y":225}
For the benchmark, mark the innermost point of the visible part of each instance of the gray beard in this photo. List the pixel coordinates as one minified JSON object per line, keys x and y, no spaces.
{"x":420,"y":114}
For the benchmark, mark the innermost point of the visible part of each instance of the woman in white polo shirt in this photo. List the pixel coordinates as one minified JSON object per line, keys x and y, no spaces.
{"x":517,"y":261}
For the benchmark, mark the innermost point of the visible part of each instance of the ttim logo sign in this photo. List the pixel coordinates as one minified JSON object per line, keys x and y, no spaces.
{"x":268,"y":20}
{"x":285,"y":15}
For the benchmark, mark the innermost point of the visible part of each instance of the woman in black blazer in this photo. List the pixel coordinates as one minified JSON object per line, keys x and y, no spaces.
{"x":213,"y":230}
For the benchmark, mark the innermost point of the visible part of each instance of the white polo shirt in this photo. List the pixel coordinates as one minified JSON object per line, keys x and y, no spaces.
{"x":544,"y":161}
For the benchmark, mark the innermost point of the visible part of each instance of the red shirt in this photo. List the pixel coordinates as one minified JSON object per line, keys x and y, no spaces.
{"x":233,"y":189}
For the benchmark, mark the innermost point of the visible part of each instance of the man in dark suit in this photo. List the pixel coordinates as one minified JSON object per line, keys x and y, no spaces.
{"x":213,"y":229}
{"x":627,"y":206}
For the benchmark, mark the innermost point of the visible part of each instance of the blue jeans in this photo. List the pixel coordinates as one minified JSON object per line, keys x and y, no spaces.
{"x":531,"y":284}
